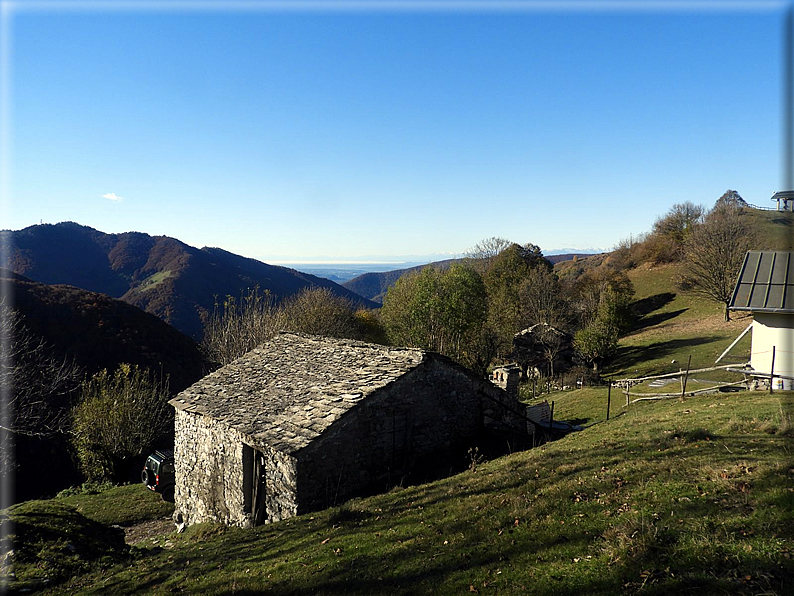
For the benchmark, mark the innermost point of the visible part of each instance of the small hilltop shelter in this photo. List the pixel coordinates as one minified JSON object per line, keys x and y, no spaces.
{"x":305,"y":422}
{"x":765,"y":288}
{"x":786,"y":197}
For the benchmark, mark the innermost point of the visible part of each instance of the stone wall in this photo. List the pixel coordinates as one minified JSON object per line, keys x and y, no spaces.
{"x":210,"y":476}
{"x":423,"y":422}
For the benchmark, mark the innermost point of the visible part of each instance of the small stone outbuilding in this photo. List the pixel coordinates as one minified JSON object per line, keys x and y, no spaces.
{"x":304,"y":422}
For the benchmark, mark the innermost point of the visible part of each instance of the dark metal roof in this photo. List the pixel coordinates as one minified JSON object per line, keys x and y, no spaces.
{"x":766,"y":282}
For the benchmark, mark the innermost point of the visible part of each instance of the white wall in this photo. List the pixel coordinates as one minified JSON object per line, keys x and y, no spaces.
{"x":770,"y":329}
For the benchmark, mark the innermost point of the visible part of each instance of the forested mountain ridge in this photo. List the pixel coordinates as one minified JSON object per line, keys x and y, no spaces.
{"x":161,"y":275}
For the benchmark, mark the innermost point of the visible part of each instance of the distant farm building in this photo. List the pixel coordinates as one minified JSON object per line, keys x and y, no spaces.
{"x":305,"y":422}
{"x":784,"y":200}
{"x":765,"y":288}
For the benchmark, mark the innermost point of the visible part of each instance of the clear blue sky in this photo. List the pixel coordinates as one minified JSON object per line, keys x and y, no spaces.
{"x":291,"y":134}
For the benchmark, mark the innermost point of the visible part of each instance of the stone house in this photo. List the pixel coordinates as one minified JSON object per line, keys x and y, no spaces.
{"x":304,"y":422}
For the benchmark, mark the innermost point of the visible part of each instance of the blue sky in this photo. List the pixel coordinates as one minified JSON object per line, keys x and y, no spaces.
{"x":339,"y":131}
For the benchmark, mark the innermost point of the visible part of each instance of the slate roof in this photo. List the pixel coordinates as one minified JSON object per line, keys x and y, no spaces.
{"x":286,"y":392}
{"x":766,"y":282}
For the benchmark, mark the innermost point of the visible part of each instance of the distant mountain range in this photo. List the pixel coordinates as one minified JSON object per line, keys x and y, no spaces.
{"x":375,"y":285}
{"x":160,"y":275}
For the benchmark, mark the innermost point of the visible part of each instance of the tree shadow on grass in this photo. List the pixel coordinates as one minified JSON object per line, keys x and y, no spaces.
{"x":656,"y":319}
{"x":628,"y":356}
{"x":642,"y":310}
{"x":647,"y":305}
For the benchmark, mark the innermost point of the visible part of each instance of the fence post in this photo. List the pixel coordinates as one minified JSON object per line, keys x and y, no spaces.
{"x":683,"y":384}
{"x":551,"y":416}
{"x":772,"y":371}
{"x":609,"y":397}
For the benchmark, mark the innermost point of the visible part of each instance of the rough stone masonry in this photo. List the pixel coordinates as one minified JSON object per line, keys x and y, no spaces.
{"x":304,"y":422}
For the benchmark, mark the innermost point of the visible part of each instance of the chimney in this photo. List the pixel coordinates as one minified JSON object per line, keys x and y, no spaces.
{"x":506,"y":377}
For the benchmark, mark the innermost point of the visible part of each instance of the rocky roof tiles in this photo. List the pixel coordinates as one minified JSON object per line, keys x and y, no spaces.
{"x":289,"y":390}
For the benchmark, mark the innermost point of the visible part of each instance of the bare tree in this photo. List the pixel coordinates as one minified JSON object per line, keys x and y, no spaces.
{"x":485,"y":251}
{"x":319,"y":311}
{"x":541,"y":300}
{"x":35,"y":383}
{"x":238,"y":326}
{"x":714,"y":254}
{"x":34,"y":378}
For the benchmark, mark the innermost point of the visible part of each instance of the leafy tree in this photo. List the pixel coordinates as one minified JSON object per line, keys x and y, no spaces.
{"x":589,"y":290}
{"x":714,"y":254}
{"x":679,"y":221}
{"x":503,"y":281}
{"x":596,"y":342}
{"x":670,"y":232}
{"x":120,"y":417}
{"x":437,"y":310}
{"x":730,"y":198}
{"x":370,"y":327}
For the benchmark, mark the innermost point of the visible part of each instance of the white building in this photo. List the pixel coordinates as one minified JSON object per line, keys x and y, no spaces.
{"x":766,"y":288}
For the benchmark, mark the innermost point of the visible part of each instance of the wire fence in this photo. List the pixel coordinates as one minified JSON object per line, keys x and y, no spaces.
{"x":777,"y":369}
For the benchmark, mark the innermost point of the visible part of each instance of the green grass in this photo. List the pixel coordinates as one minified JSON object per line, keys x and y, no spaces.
{"x":122,"y":505}
{"x":675,"y":325}
{"x":78,"y":531}
{"x":153,"y":281}
{"x":664,"y":498}
{"x":776,"y":229}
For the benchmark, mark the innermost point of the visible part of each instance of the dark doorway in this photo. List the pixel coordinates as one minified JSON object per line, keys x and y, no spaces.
{"x":254,"y":484}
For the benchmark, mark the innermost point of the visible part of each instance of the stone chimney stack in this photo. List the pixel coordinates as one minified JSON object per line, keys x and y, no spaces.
{"x":506,"y":377}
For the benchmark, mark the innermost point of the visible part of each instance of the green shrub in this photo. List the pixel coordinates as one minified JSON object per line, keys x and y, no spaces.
{"x":119,"y":418}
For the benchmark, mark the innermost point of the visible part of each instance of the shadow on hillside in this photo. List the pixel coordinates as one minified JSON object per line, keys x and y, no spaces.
{"x":647,"y":305}
{"x":642,"y":310}
{"x":628,"y":356}
{"x":656,"y":319}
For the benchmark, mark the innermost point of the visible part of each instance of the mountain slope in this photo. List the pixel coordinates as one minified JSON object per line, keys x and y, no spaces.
{"x":98,"y":331}
{"x":95,"y":331}
{"x":161,"y":275}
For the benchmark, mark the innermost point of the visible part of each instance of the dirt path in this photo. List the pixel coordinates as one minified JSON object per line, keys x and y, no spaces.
{"x":148,"y":529}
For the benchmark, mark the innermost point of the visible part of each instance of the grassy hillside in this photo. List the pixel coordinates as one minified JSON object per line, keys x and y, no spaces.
{"x":663,"y":498}
{"x":674,"y":325}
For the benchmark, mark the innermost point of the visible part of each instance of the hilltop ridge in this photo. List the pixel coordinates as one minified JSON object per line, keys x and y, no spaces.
{"x":159,"y":274}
